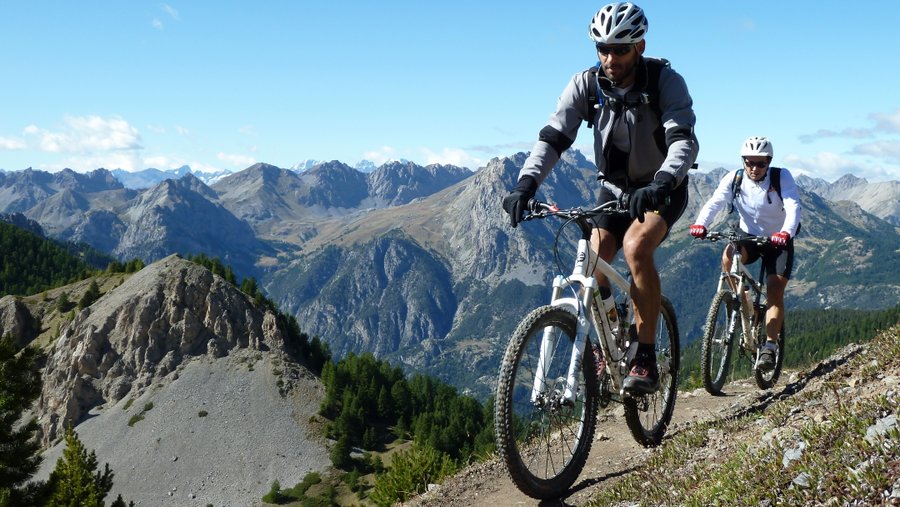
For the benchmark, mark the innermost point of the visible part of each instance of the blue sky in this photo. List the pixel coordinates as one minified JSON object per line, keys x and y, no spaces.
{"x":225,"y":84}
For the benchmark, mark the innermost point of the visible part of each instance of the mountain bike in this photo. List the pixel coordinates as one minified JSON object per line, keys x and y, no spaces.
{"x":733,"y":317}
{"x":568,"y":359}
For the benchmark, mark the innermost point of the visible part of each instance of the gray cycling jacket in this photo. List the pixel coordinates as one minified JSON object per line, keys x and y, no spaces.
{"x":666,"y":144}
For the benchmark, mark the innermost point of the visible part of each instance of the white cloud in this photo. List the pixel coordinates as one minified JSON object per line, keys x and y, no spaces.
{"x":885,"y":123}
{"x":127,"y":161}
{"x":157,"y":24}
{"x":7,"y":143}
{"x":171,"y":12}
{"x":381,"y":156}
{"x":889,"y":150}
{"x":235,"y":160}
{"x":452,"y":156}
{"x":889,"y":123}
{"x":831,"y":166}
{"x":157,"y":129}
{"x":163,"y":162}
{"x":852,"y":133}
{"x":182,"y":130}
{"x":87,"y":135}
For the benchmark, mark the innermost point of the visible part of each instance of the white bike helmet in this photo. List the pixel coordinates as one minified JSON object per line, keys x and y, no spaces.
{"x":618,"y":23}
{"x":756,"y":147}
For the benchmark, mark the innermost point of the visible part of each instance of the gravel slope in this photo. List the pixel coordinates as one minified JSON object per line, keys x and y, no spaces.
{"x":250,"y":436}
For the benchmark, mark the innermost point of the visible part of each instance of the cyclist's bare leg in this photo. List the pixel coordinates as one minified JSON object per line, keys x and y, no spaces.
{"x":604,"y":244}
{"x":775,"y":285}
{"x":641,"y":240}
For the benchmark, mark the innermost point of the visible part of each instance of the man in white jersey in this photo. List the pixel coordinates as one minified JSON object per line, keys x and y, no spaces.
{"x":763,"y":212}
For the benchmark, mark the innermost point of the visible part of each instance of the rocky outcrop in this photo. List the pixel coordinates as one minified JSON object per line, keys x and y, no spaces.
{"x":15,"y":320}
{"x":140,"y":332}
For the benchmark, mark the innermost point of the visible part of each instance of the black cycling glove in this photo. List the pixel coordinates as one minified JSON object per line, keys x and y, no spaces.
{"x":517,"y":201}
{"x":651,"y":197}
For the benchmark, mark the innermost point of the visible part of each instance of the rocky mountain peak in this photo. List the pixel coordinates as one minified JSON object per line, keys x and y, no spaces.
{"x":97,"y":180}
{"x":400,"y":182}
{"x":140,"y":332}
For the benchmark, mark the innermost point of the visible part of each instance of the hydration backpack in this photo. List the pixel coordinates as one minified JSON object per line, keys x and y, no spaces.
{"x":774,"y":178}
{"x":650,"y":94}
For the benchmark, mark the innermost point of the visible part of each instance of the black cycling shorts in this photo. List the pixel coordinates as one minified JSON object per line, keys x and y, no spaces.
{"x":776,"y":260}
{"x":617,"y":225}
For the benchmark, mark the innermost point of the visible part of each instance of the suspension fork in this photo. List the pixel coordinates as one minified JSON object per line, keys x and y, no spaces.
{"x":579,"y":306}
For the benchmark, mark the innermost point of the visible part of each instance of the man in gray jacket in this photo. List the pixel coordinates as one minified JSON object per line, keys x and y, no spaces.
{"x":644,"y":144}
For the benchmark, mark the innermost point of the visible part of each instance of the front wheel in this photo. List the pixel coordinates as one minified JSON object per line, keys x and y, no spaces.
{"x":543,"y":439}
{"x":767,"y":379}
{"x":648,"y":416}
{"x":722,"y":329}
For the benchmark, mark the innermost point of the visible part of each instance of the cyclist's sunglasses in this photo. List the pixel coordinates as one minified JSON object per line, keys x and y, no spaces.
{"x":756,"y":163}
{"x":618,"y":49}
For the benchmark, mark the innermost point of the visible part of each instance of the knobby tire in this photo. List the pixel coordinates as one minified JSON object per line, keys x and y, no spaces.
{"x":544,"y":447}
{"x":718,"y":343}
{"x":648,"y":416}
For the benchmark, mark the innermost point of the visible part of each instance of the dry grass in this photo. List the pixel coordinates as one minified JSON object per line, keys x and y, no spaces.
{"x":835,"y":442}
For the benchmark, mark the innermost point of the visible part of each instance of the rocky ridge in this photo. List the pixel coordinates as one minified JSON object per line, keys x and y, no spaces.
{"x":141,"y":331}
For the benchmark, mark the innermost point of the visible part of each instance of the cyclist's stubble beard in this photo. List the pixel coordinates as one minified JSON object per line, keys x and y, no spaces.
{"x":619,"y":70}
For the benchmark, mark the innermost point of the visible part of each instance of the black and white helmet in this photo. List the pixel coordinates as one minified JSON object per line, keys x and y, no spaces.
{"x":618,"y":23}
{"x":757,"y":147}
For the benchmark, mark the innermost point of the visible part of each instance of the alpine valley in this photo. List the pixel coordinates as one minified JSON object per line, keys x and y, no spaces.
{"x":419,"y":265}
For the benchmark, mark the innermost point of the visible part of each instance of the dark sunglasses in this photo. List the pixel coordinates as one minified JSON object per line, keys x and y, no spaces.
{"x":618,"y":50}
{"x":756,"y":163}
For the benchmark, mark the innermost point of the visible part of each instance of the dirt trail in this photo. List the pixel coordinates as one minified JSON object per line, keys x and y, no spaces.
{"x":613,"y":455}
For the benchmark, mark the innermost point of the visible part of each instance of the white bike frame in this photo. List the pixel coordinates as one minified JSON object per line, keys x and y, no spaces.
{"x":741,"y":276}
{"x":583,"y":284}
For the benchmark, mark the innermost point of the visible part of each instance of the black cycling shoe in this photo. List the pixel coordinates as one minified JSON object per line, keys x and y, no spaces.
{"x":766,"y":361}
{"x":643,"y":377}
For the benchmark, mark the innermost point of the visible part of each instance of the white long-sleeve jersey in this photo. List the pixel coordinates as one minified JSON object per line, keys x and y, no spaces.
{"x":762,"y":212}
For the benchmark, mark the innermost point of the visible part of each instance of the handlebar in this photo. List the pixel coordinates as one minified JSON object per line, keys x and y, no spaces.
{"x":580,"y":216}
{"x":540,"y":209}
{"x":733,"y":236}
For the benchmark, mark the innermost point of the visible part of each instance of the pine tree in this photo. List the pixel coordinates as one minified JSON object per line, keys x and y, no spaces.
{"x":340,"y":453}
{"x":91,"y":295}
{"x":76,"y":481}
{"x":20,"y":385}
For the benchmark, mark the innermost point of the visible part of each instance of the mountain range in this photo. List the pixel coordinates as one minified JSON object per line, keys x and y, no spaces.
{"x":418,"y":264}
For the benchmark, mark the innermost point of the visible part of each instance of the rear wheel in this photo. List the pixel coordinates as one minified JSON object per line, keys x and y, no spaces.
{"x":767,"y":379}
{"x":543,"y":439}
{"x":721,"y":331}
{"x":648,"y":416}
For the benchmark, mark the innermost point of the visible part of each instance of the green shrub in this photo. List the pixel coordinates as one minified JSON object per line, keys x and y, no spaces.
{"x":410,"y":471}
{"x":202,"y":413}
{"x":274,"y":495}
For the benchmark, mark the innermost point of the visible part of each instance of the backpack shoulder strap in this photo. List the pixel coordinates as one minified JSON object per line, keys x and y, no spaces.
{"x":593,"y":87}
{"x":735,"y":188}
{"x":654,"y":69}
{"x":775,"y":179}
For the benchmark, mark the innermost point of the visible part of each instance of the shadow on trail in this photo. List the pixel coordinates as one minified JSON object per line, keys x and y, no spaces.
{"x":597,"y":480}
{"x":763,"y":400}
{"x":766,"y":398}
